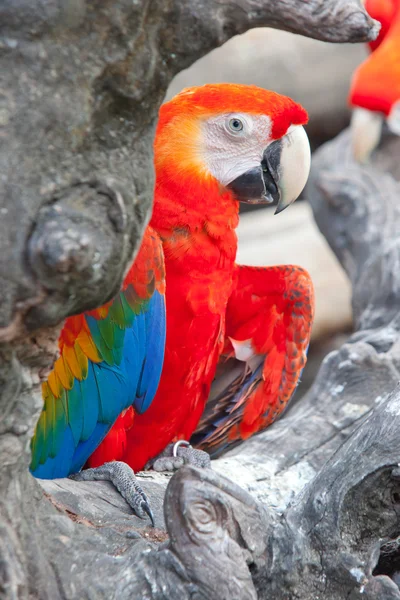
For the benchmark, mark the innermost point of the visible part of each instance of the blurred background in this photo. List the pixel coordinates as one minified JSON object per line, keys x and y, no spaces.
{"x":317,"y":75}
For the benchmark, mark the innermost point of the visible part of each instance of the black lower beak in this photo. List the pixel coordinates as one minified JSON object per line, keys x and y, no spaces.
{"x":250,"y":187}
{"x":259,"y":185}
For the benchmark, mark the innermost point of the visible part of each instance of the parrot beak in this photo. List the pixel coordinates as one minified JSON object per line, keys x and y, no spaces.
{"x":294,"y":167}
{"x":366,"y":129}
{"x":393,"y":119}
{"x":282,"y":174}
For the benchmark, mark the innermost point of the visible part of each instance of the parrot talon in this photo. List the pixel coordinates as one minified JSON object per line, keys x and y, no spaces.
{"x":145,"y":507}
{"x":177,"y":454}
{"x":123,"y":478}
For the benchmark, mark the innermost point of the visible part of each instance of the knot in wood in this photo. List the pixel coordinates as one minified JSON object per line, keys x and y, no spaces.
{"x":76,"y":233}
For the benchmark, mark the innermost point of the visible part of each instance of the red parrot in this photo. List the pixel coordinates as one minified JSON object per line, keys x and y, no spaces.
{"x":375,"y":88}
{"x":215,"y":145}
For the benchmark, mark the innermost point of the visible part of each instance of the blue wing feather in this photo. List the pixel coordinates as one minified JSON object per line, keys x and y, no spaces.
{"x":128,"y":375}
{"x":155,"y":327}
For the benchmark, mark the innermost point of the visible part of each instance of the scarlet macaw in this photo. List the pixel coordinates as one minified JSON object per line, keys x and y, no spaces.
{"x":375,"y":87}
{"x":214,"y":145}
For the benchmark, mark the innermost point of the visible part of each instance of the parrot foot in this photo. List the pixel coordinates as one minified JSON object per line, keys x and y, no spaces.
{"x":123,"y":478}
{"x":177,"y":454}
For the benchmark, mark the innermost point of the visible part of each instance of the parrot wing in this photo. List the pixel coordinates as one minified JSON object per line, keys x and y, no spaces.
{"x":268,"y":328}
{"x":110,"y":360}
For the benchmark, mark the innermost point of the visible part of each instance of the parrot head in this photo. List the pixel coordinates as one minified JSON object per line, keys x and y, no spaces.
{"x":375,"y":88}
{"x":246,"y":140}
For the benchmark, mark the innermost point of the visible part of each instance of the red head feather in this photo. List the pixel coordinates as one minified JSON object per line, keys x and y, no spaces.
{"x":204,"y":101}
{"x":376,"y":83}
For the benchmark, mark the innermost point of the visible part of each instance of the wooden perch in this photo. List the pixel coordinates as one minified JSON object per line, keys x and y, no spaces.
{"x":82,"y":84}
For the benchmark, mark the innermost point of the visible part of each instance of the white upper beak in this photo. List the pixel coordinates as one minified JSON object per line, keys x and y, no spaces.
{"x":366,"y":129}
{"x":294,"y":166}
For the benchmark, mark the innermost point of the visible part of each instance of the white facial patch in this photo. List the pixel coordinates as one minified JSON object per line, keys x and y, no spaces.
{"x":230,"y":151}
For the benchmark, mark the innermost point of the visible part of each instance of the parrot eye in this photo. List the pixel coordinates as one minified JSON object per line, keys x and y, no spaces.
{"x":235,"y":125}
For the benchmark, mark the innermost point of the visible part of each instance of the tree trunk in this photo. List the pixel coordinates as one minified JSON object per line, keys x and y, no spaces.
{"x":82,"y":84}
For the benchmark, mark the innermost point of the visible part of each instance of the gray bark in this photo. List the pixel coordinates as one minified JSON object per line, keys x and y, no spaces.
{"x":81,"y":86}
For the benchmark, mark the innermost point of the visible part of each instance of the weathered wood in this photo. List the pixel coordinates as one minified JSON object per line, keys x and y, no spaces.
{"x":81,"y":86}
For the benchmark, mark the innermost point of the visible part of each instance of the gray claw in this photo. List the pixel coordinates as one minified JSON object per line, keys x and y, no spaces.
{"x":123,"y":478}
{"x":146,"y":508}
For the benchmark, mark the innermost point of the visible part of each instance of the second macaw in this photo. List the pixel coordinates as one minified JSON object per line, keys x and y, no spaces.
{"x":215,"y":145}
{"x":375,"y":89}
